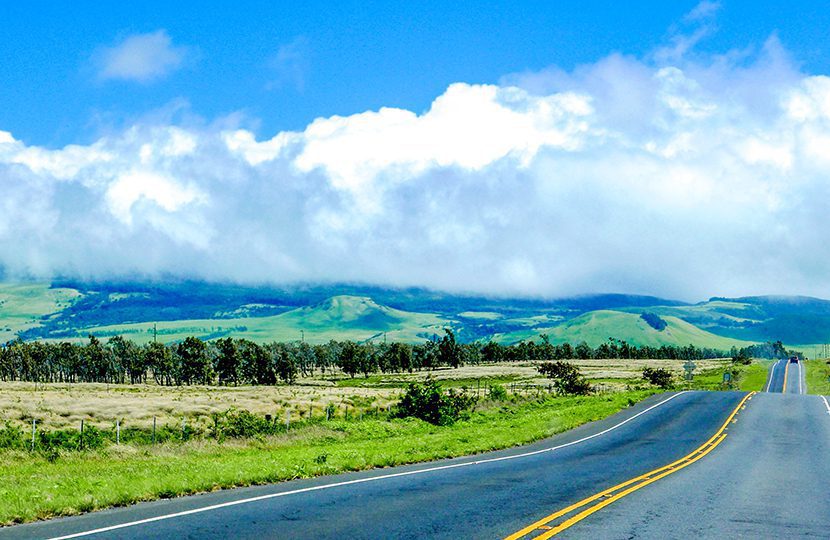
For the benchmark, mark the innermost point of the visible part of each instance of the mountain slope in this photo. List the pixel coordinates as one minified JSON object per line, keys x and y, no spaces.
{"x":340,"y":317}
{"x":596,"y":327}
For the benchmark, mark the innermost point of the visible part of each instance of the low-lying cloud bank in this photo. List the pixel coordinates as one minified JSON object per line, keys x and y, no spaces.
{"x":674,"y":177}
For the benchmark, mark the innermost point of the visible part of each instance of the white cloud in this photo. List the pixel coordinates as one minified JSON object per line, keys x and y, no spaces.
{"x":140,"y":57}
{"x":703,"y":10}
{"x":291,"y":64}
{"x":684,"y":178}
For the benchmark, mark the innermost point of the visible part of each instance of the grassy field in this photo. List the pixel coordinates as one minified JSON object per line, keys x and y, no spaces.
{"x":818,"y":377}
{"x":340,"y":317}
{"x":21,"y":306}
{"x":754,"y":376}
{"x":34,"y":487}
{"x":60,"y":406}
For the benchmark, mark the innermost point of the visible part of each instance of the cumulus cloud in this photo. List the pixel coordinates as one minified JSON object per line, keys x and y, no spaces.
{"x":685,"y":179}
{"x":140,"y":57}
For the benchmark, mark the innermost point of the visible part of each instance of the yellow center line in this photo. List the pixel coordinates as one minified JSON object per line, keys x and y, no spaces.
{"x":644,"y":480}
{"x":786,"y":368}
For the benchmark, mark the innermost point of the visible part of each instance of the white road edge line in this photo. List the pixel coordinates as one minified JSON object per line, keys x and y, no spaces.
{"x":358,"y":481}
{"x":800,"y":376}
{"x":771,"y":375}
{"x":827,"y":405}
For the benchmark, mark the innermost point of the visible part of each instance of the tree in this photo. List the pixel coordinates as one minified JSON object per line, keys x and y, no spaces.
{"x":492,"y":352}
{"x":428,"y":402}
{"x":258,"y":362}
{"x":566,"y":377}
{"x":449,"y":352}
{"x":130,"y":357}
{"x":351,"y":358}
{"x":196,"y":367}
{"x":658,"y":376}
{"x":228,"y":362}
{"x":285,"y":365}
{"x":583,"y":351}
{"x":160,"y":359}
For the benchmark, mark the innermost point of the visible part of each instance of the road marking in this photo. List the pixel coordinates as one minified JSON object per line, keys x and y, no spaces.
{"x":827,"y":405}
{"x":771,"y":375}
{"x":786,"y":369}
{"x":612,"y":494}
{"x":800,"y":373}
{"x":357,"y":481}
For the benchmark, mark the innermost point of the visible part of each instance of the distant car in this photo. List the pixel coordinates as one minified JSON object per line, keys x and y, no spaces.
{"x":793,"y":359}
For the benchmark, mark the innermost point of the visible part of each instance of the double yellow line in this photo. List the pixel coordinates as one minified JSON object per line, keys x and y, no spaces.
{"x":786,"y":368}
{"x":608,"y":496}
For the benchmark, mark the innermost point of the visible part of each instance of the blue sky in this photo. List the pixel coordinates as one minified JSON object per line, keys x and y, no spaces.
{"x":343,"y":57}
{"x":679,"y":149}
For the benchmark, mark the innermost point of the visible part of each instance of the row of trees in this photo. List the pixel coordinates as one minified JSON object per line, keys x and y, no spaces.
{"x":226,"y":361}
{"x":229,"y":361}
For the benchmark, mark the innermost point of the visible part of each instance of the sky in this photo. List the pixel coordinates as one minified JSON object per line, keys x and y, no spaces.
{"x":679,"y":149}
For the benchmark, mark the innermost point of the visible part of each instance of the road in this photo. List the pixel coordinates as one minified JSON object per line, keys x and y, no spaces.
{"x":784,"y":372}
{"x":743,"y":466}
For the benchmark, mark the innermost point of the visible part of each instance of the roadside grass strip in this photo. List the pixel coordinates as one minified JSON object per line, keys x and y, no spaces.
{"x":554,"y":523}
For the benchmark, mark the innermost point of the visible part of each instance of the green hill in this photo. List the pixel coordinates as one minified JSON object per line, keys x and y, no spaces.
{"x":597,"y":326}
{"x":339,"y":317}
{"x":321,"y":312}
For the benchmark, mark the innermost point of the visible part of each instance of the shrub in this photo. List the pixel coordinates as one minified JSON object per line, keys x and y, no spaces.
{"x":12,"y":437}
{"x":238,"y":424}
{"x":429,"y":403}
{"x":497,"y":393}
{"x":658,"y":376}
{"x":566,"y":378}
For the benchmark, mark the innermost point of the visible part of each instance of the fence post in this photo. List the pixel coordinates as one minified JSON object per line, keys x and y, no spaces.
{"x":82,"y":434}
{"x":287,"y":418}
{"x":118,"y":431}
{"x":34,"y":423}
{"x":328,"y":413}
{"x":154,"y":430}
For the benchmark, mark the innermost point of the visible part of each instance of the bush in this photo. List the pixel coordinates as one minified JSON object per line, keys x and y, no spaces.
{"x":497,"y":393}
{"x":566,"y":378}
{"x":12,"y":437}
{"x":658,"y":376}
{"x":429,"y":403}
{"x":238,"y":424}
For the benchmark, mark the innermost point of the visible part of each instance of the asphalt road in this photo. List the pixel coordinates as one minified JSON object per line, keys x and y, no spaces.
{"x":768,"y":479}
{"x":765,"y":475}
{"x":489,"y":500}
{"x":791,"y":372}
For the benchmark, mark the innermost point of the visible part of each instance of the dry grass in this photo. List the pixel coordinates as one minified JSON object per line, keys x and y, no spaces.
{"x":58,"y":406}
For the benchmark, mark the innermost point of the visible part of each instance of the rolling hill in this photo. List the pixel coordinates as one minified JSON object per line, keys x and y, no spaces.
{"x":596,"y":327}
{"x":172,"y":311}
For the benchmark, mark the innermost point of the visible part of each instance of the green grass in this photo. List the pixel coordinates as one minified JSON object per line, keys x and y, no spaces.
{"x":340,"y":318}
{"x":818,"y":377}
{"x":754,"y":376}
{"x":749,"y":378}
{"x":22,"y":305}
{"x":596,"y":326}
{"x":391,"y":381}
{"x":32,"y":487}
